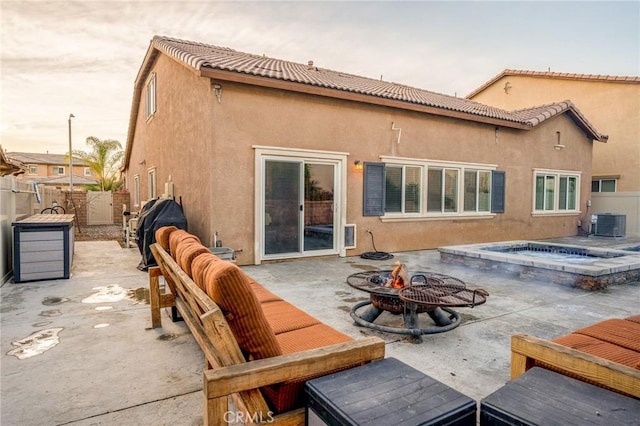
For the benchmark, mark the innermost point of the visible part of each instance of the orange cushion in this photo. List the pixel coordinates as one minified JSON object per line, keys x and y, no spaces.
{"x":199,"y":267}
{"x":188,"y":254}
{"x":229,"y":288}
{"x":162,"y":235}
{"x":635,"y":318}
{"x":176,"y":236}
{"x":617,"y":331}
{"x":262,"y":293}
{"x":289,"y":395}
{"x":601,"y":349}
{"x":283,"y":316}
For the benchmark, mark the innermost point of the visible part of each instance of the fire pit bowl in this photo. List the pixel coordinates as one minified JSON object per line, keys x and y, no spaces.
{"x":423,"y":292}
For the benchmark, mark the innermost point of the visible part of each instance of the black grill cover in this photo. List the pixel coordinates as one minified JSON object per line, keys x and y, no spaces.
{"x":155,"y":214}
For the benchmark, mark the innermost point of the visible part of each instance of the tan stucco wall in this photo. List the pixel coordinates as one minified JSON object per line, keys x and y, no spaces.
{"x":206,"y":147}
{"x":613,"y":108}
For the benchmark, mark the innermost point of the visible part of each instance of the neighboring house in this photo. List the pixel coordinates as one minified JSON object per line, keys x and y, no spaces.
{"x":53,"y":169}
{"x":283,"y":160}
{"x":612,"y":104}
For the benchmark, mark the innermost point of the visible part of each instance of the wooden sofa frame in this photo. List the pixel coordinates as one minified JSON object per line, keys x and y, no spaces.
{"x":228,"y":377}
{"x":527,"y":351}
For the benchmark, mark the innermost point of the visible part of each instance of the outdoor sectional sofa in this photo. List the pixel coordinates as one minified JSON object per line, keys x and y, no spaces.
{"x":259,"y":349}
{"x":606,"y":354}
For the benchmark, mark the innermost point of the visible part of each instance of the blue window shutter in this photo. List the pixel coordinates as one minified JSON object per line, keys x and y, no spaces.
{"x":497,"y":192}
{"x":373,"y":200}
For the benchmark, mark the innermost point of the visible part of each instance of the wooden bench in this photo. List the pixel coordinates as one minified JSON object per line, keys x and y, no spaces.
{"x":228,"y":376}
{"x":606,"y":354}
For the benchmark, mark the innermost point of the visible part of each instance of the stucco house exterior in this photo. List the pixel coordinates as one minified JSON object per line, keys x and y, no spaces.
{"x":612,"y":103}
{"x":284,"y":160}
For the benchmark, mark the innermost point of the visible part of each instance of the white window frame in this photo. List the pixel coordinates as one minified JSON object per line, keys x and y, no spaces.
{"x":33,"y":169}
{"x":557,"y":175}
{"x":58,"y":170}
{"x":403,"y":189}
{"x":150,"y":103}
{"x":425,"y":164}
{"x":152,"y":182}
{"x":136,"y":190}
{"x":600,"y":180}
{"x":87,"y":171}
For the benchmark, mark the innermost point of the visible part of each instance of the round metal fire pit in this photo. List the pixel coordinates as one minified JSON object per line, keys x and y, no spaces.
{"x":385,"y":298}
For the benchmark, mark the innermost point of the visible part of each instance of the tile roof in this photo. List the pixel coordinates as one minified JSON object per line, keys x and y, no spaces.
{"x":557,"y":75}
{"x":36,"y":158}
{"x":200,"y":55}
{"x":10,"y":166}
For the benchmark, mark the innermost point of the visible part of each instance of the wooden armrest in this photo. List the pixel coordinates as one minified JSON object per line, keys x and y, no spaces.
{"x":236,"y":378}
{"x":525,"y":350}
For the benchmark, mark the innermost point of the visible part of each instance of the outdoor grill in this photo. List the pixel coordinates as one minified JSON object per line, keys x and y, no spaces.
{"x":427,"y":292}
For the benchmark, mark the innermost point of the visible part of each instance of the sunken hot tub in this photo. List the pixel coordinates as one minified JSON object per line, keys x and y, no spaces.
{"x":577,"y":266}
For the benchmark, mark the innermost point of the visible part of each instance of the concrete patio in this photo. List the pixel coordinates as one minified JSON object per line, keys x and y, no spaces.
{"x":109,"y":367}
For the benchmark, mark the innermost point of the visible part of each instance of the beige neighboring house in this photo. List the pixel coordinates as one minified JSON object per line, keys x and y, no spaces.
{"x":285,"y":160}
{"x":53,"y":170}
{"x":612,"y":104}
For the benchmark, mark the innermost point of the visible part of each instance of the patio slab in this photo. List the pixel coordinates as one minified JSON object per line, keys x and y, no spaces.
{"x":109,"y":367}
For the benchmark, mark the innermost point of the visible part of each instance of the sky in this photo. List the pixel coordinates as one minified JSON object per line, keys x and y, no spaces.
{"x":81,"y":57}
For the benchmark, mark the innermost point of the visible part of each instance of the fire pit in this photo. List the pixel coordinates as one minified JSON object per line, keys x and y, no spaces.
{"x":398,"y":292}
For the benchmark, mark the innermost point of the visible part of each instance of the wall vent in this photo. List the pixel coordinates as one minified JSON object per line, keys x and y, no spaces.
{"x":350,"y":236}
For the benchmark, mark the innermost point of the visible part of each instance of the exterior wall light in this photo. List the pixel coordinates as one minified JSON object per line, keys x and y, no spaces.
{"x":357,"y":165}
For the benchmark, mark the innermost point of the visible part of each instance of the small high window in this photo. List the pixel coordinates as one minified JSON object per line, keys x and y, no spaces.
{"x":33,"y":169}
{"x":604,"y":185}
{"x":150,"y":96}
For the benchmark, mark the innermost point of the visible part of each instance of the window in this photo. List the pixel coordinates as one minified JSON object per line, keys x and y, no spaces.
{"x":33,"y":169}
{"x":136,"y":190}
{"x":604,"y":185}
{"x":152,"y":184}
{"x":477,"y":191}
{"x":556,"y":191}
{"x":87,"y":171}
{"x":150,"y":96}
{"x":425,"y":188}
{"x":58,"y":170}
{"x":403,"y":189}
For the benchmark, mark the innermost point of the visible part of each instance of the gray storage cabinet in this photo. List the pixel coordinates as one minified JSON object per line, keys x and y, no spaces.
{"x":43,"y":247}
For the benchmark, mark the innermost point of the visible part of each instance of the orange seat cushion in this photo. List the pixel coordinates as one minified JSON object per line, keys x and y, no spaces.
{"x":601,"y":349}
{"x":262,"y":293}
{"x":190,"y":251}
{"x":176,"y":237}
{"x":229,"y":288}
{"x":199,"y":267}
{"x":617,"y":331}
{"x":162,"y":235}
{"x":289,"y":395}
{"x":283,"y":317}
{"x":634,"y":318}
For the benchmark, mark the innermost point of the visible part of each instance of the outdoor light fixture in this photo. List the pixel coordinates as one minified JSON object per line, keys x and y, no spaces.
{"x":217,"y":89}
{"x":357,"y":165}
{"x":70,"y":156}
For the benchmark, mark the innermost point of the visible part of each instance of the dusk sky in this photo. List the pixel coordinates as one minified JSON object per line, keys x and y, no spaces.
{"x":82,"y":57}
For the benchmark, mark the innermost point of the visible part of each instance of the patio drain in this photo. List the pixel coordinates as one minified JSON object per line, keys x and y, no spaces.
{"x":167,"y":337}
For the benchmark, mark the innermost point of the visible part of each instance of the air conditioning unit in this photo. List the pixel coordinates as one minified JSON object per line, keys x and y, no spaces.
{"x":610,"y":225}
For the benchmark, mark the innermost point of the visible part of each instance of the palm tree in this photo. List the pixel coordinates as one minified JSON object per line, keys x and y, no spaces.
{"x":104,"y":160}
